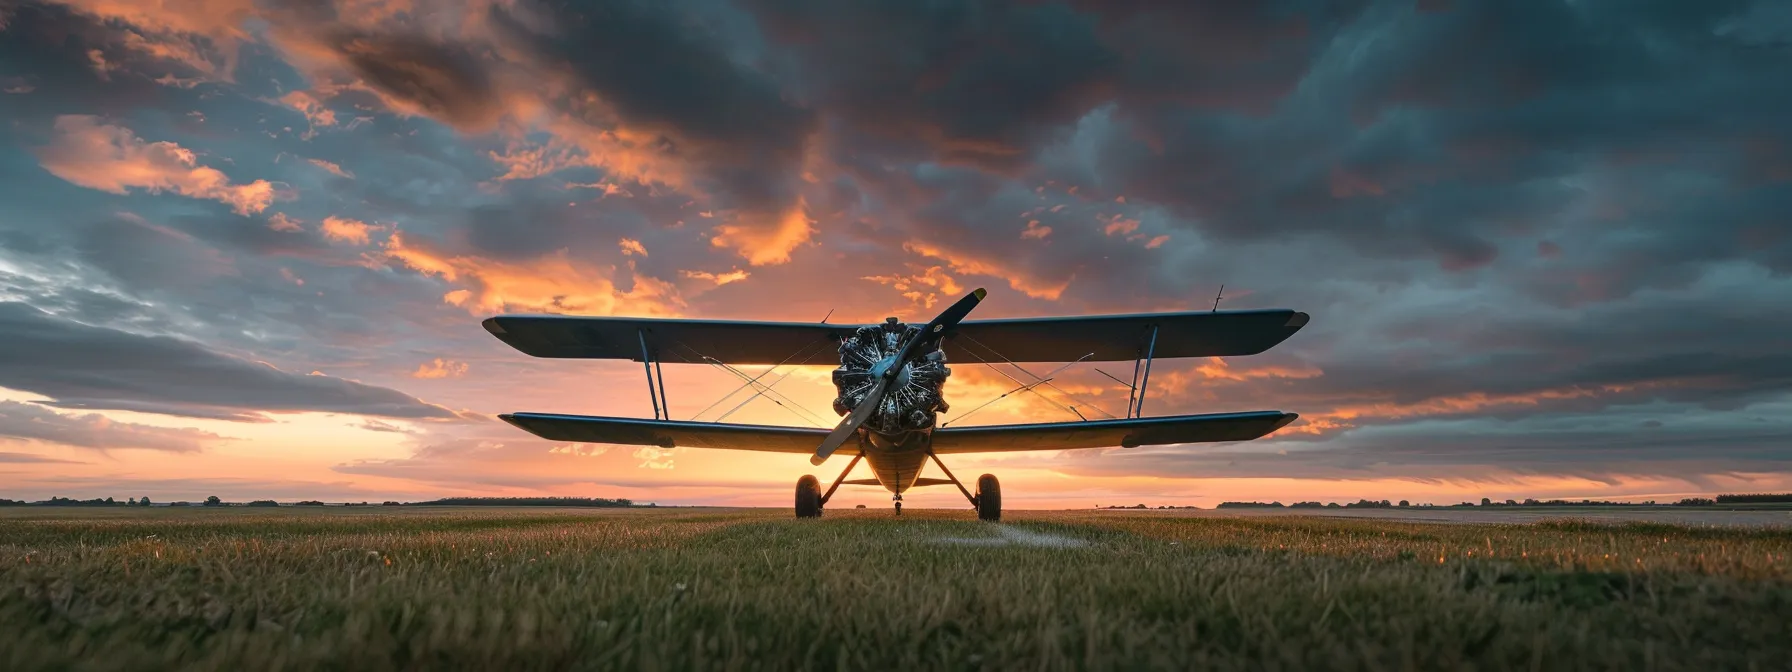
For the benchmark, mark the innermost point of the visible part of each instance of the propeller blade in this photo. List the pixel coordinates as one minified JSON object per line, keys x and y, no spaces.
{"x":933,"y":331}
{"x":940,"y":326}
{"x":851,"y":422}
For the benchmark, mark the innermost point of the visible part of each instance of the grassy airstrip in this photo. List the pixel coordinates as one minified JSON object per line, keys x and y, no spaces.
{"x":518,"y":589}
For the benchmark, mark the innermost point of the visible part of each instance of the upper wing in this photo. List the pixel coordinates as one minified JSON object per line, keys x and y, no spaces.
{"x":671,"y":433}
{"x":1125,"y":433}
{"x":1030,"y":339}
{"x":669,"y":340}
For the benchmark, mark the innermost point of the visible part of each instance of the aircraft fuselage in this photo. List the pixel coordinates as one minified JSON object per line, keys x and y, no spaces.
{"x":896,"y":439}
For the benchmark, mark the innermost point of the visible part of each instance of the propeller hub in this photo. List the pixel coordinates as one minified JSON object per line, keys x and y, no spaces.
{"x":892,"y":372}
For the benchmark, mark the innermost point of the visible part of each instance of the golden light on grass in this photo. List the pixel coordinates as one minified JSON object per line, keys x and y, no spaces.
{"x":697,"y":588}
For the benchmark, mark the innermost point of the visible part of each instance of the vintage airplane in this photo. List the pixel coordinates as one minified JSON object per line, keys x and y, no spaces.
{"x":890,"y":382}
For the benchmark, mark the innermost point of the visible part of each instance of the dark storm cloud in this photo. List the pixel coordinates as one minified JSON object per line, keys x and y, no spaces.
{"x":1657,"y":441}
{"x":661,"y":71}
{"x":978,"y":82}
{"x":81,"y":366}
{"x":1685,"y":349}
{"x":48,"y":65}
{"x":445,"y":81}
{"x":32,"y":422}
{"x":986,"y":83}
{"x":1446,"y":134}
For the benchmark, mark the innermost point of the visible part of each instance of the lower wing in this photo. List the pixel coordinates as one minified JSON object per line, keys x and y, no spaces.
{"x":1125,"y":433}
{"x":671,"y":433}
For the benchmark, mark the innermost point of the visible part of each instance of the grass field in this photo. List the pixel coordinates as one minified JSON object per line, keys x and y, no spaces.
{"x":516,"y":589}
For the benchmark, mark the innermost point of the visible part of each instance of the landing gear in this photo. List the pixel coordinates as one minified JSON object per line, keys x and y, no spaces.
{"x":808,"y":497}
{"x":989,"y":498}
{"x":898,"y":499}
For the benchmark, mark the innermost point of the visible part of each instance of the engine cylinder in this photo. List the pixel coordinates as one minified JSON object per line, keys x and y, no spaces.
{"x":916,"y":399}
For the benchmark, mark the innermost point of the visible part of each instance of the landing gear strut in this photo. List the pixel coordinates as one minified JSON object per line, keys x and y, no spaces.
{"x":898,"y":499}
{"x":810,"y":498}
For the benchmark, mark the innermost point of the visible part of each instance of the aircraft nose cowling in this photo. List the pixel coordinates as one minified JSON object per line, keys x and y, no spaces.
{"x":915,"y":397}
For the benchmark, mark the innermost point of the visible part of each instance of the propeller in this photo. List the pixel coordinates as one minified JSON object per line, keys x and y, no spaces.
{"x":885,"y":371}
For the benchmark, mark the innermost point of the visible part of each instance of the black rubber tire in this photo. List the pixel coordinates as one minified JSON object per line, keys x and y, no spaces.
{"x":808,"y":497}
{"x":989,"y":498}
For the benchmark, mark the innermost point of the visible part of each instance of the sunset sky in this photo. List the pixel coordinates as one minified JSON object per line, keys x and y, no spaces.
{"x":245,"y":245}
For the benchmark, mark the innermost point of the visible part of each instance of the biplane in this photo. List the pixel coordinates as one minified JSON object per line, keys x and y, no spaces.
{"x":890,"y":384}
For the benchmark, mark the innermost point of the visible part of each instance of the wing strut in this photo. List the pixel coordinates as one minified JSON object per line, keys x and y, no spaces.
{"x":661,"y":375}
{"x":1138,"y":410}
{"x":647,"y":364}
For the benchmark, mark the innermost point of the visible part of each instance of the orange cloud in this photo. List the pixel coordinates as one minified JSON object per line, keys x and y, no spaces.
{"x":1118,"y":224}
{"x":622,"y":153}
{"x":314,"y":110}
{"x":113,"y":159}
{"x":720,"y":279}
{"x":1215,"y":368}
{"x":345,"y":230}
{"x":186,"y":31}
{"x":1347,"y":416}
{"x":1471,"y":402}
{"x":522,"y":162}
{"x":440,"y":368}
{"x":1035,"y":231}
{"x":332,"y":168}
{"x":280,"y":222}
{"x":924,"y":287}
{"x":211,"y":18}
{"x":769,"y":242}
{"x":553,"y":283}
{"x":631,"y":246}
{"x":970,"y":263}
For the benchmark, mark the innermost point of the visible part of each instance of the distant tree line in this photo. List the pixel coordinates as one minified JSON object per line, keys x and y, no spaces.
{"x":1754,"y":499}
{"x":1487,"y":502}
{"x":597,"y":502}
{"x":1359,"y":504}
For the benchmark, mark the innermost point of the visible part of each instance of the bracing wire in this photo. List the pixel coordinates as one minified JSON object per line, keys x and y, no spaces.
{"x":1073,"y":397}
{"x":1042,"y":381}
{"x":745,"y":385}
{"x":776,"y":397}
{"x":1025,"y":386}
{"x":757,"y":393}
